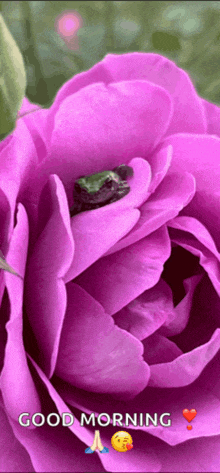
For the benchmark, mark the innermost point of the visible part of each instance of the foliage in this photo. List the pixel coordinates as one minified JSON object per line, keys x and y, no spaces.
{"x":12,"y":80}
{"x":187,"y":32}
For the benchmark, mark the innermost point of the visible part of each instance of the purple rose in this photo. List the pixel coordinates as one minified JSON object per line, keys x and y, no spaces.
{"x":117,"y":308}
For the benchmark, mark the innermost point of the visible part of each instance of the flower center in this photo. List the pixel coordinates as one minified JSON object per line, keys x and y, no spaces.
{"x":96,"y":190}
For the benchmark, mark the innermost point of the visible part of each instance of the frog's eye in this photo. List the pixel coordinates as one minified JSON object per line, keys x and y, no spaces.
{"x":124,"y":171}
{"x":108,"y":183}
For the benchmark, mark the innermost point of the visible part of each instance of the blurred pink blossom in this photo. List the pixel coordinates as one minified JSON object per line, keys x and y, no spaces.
{"x":67,"y":24}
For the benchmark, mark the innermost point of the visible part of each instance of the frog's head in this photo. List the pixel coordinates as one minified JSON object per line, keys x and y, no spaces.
{"x":97,"y":188}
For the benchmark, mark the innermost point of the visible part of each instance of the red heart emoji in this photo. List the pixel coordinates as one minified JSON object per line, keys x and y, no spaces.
{"x":189,"y":415}
{"x":129,"y":446}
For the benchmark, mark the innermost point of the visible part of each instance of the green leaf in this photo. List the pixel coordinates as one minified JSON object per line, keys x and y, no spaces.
{"x":4,"y":265}
{"x":12,"y":80}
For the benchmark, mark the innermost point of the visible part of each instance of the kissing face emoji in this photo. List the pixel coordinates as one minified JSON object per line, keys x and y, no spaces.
{"x":122,"y":441}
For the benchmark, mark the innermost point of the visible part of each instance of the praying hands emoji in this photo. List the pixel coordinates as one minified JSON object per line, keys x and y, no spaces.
{"x":97,"y":445}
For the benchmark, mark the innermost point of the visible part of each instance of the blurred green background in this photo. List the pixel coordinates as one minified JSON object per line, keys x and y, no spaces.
{"x":187,"y":32}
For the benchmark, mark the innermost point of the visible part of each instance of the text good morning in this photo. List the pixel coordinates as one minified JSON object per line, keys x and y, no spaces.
{"x":116,"y":419}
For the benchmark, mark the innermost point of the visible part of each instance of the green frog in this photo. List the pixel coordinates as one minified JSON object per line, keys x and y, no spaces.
{"x":96,"y":190}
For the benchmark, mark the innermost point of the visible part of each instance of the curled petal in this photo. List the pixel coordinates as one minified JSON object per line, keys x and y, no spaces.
{"x":212,"y":113}
{"x":45,"y":296}
{"x":13,"y":456}
{"x":16,"y":399}
{"x":145,"y":314}
{"x":96,"y":355}
{"x":117,"y":279}
{"x":187,"y":367}
{"x":188,"y":112}
{"x":174,"y":193}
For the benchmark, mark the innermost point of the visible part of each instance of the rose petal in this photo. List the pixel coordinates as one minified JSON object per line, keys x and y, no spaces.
{"x":96,"y":355}
{"x":206,"y":203}
{"x":178,"y":318}
{"x":188,"y":113}
{"x":116,"y":280}
{"x":142,"y":459}
{"x":194,"y":153}
{"x":159,"y":349}
{"x":172,"y":401}
{"x":197,"y":229}
{"x":16,"y":399}
{"x":56,"y":449}
{"x":18,"y":160}
{"x":209,"y":258}
{"x":203,"y":454}
{"x":27,"y":107}
{"x":66,"y":453}
{"x":45,"y":295}
{"x":174,"y":192}
{"x":96,"y":74}
{"x":36,"y":124}
{"x":160,"y":163}
{"x":4,"y":236}
{"x":212,"y":112}
{"x":110,"y":116}
{"x":13,"y":456}
{"x":145,"y":314}
{"x":111,"y":462}
{"x":60,"y":448}
{"x":94,"y":233}
{"x":187,"y":367}
{"x":200,"y":156}
{"x":4,"y":316}
{"x":139,"y":183}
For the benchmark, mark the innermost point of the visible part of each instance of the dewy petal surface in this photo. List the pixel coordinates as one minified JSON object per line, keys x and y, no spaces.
{"x":45,"y":296}
{"x":120,"y":121}
{"x":96,"y":355}
{"x":16,"y":398}
{"x":117,"y":279}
